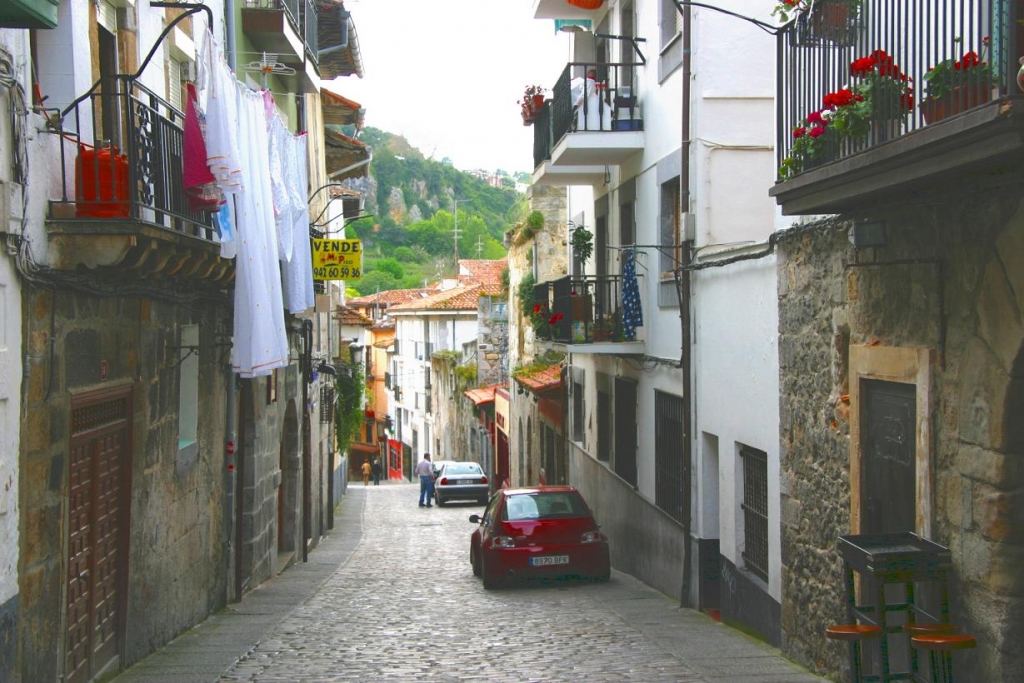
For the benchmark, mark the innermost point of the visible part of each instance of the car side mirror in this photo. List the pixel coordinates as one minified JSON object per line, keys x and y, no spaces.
{"x":475,"y":519}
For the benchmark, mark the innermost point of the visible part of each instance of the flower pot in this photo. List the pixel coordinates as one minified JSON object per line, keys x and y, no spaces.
{"x":538,"y":101}
{"x":581,"y":308}
{"x":586,"y":4}
{"x":832,"y":20}
{"x":957,"y":100}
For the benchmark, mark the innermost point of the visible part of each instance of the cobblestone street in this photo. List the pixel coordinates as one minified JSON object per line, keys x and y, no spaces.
{"x":405,"y":606}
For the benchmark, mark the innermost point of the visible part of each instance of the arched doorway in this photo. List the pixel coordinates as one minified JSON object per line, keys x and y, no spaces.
{"x":288,"y":520}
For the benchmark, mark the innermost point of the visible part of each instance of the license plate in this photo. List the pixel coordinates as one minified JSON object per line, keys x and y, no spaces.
{"x":550,"y":559}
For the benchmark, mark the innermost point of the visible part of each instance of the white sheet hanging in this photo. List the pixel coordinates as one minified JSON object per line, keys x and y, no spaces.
{"x":298,"y":272}
{"x":260,"y":340}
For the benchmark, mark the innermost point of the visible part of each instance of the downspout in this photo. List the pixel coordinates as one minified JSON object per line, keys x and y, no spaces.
{"x":229,"y":30}
{"x":306,"y":368}
{"x":684,"y":289}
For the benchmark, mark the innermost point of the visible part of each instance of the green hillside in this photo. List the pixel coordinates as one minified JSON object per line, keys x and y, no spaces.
{"x":409,"y":238}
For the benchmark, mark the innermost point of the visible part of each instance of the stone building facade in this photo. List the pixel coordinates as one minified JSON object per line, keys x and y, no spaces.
{"x":105,"y":473}
{"x":934,"y":315}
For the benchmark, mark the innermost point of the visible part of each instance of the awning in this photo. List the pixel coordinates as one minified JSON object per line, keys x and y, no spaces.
{"x":543,"y":379}
{"x":345,"y":154}
{"x":341,"y":111}
{"x":373,"y":449}
{"x":338,"y":53}
{"x":482,"y":395}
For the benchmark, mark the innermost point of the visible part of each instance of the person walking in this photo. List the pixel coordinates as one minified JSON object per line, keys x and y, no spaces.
{"x":366,"y":472}
{"x":376,"y":471}
{"x":425,"y":470}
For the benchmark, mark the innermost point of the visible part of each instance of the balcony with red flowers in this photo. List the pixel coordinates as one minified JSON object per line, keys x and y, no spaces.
{"x":877,"y":100}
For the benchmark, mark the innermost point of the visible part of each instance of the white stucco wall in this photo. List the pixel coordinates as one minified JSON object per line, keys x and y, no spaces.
{"x":13,"y":49}
{"x":736,"y":379}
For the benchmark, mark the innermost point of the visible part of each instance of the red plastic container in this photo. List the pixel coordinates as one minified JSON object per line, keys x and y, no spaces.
{"x":101,"y":178}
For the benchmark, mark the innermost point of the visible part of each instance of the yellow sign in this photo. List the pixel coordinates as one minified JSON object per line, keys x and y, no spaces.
{"x":337,"y":260}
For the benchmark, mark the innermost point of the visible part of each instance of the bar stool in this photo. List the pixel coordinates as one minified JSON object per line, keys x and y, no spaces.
{"x":940,"y":648}
{"x":854,"y":634}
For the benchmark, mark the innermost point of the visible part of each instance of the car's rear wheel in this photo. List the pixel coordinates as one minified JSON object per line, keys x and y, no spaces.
{"x":440,"y":500}
{"x":490,"y":581}
{"x":474,"y":559}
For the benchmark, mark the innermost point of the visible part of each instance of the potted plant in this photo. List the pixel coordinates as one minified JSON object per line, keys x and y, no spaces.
{"x":882,"y":97}
{"x":955,"y":85}
{"x":582,"y":243}
{"x":831,"y":20}
{"x":532,"y":100}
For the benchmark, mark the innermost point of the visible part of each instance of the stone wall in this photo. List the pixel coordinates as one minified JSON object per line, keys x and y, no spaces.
{"x":177,"y":550}
{"x":949,"y":281}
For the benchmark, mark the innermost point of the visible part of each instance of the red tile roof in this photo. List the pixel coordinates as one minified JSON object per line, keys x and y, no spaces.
{"x":388,"y":297}
{"x":457,"y":299}
{"x":483,"y":394}
{"x":349,"y":316}
{"x":484,"y":272}
{"x":543,"y":379}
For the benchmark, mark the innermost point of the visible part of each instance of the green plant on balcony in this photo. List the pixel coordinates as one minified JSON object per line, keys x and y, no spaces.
{"x":608,"y":327}
{"x":954,"y":85}
{"x":582,"y":243}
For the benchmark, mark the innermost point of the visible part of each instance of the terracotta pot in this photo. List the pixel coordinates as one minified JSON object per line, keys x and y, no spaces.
{"x":957,"y":100}
{"x":538,"y":101}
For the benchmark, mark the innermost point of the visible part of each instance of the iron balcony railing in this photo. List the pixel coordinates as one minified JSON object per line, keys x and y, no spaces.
{"x":302,"y":15}
{"x":588,"y":96}
{"x":855,"y":74}
{"x":122,"y":159}
{"x":581,"y":309}
{"x":290,"y":7}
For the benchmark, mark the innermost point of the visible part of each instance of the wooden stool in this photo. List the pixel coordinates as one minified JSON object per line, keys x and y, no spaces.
{"x":940,"y":648}
{"x":928,"y":628}
{"x":854,"y":634}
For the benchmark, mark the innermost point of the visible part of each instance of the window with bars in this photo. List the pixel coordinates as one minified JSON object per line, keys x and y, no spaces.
{"x":577,"y":409}
{"x":669,"y":454}
{"x":625,"y":429}
{"x":604,"y":425}
{"x":755,"y":510}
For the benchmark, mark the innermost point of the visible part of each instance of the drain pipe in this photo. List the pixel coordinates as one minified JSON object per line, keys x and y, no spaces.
{"x":683,"y":288}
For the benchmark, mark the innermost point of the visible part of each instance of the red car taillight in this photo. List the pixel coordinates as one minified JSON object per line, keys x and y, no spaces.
{"x":503,"y":542}
{"x":591,"y":537}
{"x":444,"y":481}
{"x":483,"y":480}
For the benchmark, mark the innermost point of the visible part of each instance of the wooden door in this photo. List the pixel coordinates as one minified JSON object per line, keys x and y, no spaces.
{"x":97,"y":524}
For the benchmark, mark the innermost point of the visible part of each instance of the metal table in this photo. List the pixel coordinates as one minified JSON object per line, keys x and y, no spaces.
{"x":904,"y":559}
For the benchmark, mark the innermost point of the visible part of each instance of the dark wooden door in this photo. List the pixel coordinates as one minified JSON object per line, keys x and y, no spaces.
{"x":98,"y":494}
{"x":889,"y":473}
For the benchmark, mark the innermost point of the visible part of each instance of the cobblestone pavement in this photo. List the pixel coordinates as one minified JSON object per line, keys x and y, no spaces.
{"x":406,"y":606}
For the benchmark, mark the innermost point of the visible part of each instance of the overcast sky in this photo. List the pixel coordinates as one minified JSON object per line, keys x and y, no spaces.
{"x":447,"y":74}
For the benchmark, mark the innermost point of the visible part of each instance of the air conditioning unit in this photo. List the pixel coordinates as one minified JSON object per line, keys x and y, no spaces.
{"x":188,"y":72}
{"x":483,"y":347}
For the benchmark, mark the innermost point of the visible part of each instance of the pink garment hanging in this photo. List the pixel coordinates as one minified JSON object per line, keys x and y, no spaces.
{"x":200,"y":183}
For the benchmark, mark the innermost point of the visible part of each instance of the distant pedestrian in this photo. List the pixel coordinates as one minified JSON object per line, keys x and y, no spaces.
{"x":426,"y":473}
{"x":376,"y":471}
{"x":366,"y":472}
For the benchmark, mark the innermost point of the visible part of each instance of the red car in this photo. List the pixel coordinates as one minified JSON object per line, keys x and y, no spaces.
{"x":545,"y":532}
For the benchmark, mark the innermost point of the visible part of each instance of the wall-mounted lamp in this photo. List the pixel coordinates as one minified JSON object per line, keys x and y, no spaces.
{"x":867,"y":234}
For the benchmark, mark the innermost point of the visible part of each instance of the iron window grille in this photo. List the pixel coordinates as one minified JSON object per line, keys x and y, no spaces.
{"x":669,"y":449}
{"x":755,"y":510}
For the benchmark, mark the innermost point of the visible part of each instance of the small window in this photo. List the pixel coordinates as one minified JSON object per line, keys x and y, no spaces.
{"x":755,"y":510}
{"x":188,"y":385}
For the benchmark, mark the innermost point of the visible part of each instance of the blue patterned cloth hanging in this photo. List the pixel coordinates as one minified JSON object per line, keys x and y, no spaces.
{"x":632,"y":313}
